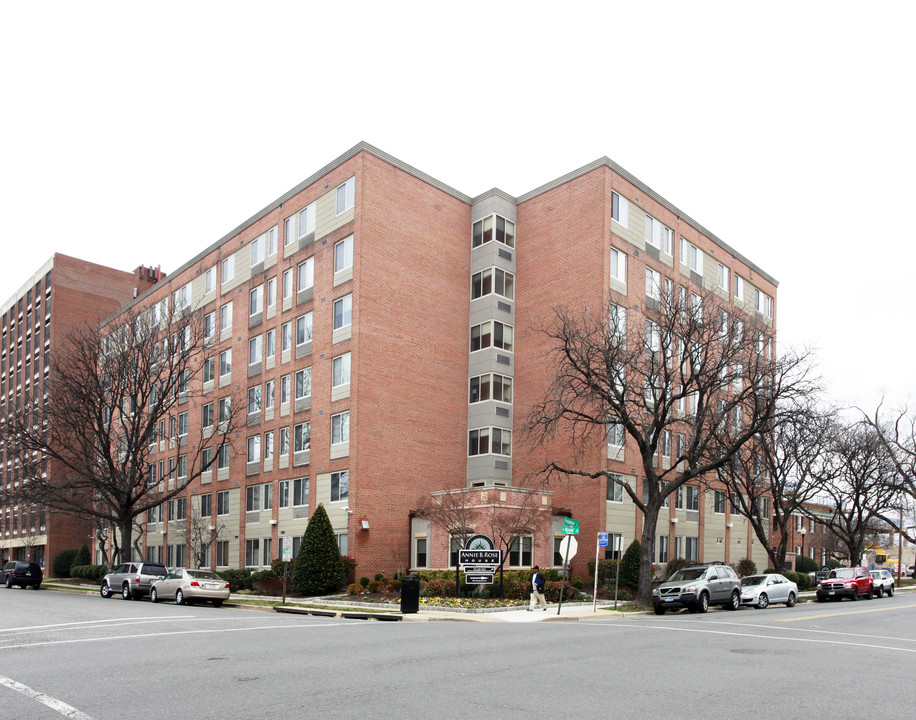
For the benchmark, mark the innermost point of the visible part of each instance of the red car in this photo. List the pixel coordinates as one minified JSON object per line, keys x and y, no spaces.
{"x":851,"y":582}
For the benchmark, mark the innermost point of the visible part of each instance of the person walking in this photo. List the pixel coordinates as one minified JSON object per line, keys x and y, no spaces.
{"x":537,"y":589}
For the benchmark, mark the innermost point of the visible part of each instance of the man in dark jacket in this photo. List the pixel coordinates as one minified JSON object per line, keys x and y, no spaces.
{"x":537,"y":589}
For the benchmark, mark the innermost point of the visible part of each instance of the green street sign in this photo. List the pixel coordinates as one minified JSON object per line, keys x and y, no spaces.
{"x":570,"y":527}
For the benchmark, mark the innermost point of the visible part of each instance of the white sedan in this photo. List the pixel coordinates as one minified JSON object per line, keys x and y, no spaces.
{"x":761,"y":590}
{"x":187,"y":586}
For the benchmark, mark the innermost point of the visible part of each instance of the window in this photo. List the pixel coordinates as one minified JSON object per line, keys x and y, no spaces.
{"x":301,"y":492}
{"x":653,"y":336}
{"x":269,"y":445}
{"x":181,"y":298}
{"x":490,"y":387}
{"x":225,"y":409}
{"x":271,"y":292}
{"x":659,"y":235}
{"x":343,"y":254}
{"x":206,"y":506}
{"x":256,"y":300}
{"x":303,"y":383}
{"x":210,"y":280}
{"x":618,"y":266}
{"x":693,"y":497}
{"x":693,"y":546}
{"x":483,"y":231}
{"x":182,"y":425}
{"x":252,"y":552}
{"x":666,"y":443}
{"x":304,"y":327}
{"x":340,"y":428}
{"x":283,"y":494}
{"x":254,"y":349}
{"x":271,"y":236}
{"x":340,"y":370}
{"x":691,"y":256}
{"x":207,"y":415}
{"x":719,"y":502}
{"x":618,"y":322}
{"x":620,"y":209}
{"x":225,"y":363}
{"x":286,"y":336}
{"x":340,"y":485}
{"x":299,"y":225}
{"x":661,"y":543}
{"x":420,"y":552}
{"x":722,"y":279}
{"x":271,"y":343}
{"x":763,"y":303}
{"x":178,"y":509}
{"x":302,"y":437}
{"x":206,"y":460}
{"x":225,"y":317}
{"x":492,"y":333}
{"x":615,"y":432}
{"x":485,"y":441}
{"x":228,"y":268}
{"x":252,"y":497}
{"x":257,"y":250}
{"x":346,"y":195}
{"x":284,"y":441}
{"x":343,"y":310}
{"x":493,"y":281}
{"x":284,"y":390}
{"x":222,"y":502}
{"x":306,"y":275}
{"x":254,"y":399}
{"x":735,"y":503}
{"x":287,"y":283}
{"x":222,"y":457}
{"x":653,"y":284}
{"x":739,"y":288}
{"x":222,"y":553}
{"x":615,"y":488}
{"x":210,"y":325}
{"x":268,"y":395}
{"x":520,"y":552}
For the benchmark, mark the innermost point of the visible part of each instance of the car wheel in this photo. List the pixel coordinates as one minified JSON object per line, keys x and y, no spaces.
{"x":880,"y":592}
{"x":791,"y":601}
{"x":890,"y":591}
{"x":735,"y":602}
{"x":219,"y":603}
{"x":9,"y":582}
{"x":704,"y":603}
{"x":659,"y":609}
{"x":179,"y":597}
{"x":125,"y":592}
{"x":105,"y":591}
{"x":763,"y":601}
{"x":855,"y":594}
{"x":153,"y":596}
{"x":35,"y":587}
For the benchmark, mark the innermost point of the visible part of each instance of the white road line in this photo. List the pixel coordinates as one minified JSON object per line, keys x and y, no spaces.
{"x":60,"y":706}
{"x":90,"y":624}
{"x":810,"y":630}
{"x":178,"y":632}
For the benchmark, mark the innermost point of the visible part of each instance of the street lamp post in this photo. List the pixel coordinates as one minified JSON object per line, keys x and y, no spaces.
{"x":803,"y":531}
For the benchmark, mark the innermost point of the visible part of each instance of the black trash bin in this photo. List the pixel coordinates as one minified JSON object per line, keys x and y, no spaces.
{"x":410,"y":594}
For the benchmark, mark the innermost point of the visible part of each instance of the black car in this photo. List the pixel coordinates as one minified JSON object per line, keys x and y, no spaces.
{"x":23,"y":574}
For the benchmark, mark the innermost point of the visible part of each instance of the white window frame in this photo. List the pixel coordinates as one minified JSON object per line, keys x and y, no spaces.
{"x":346,"y":195}
{"x":618,"y":265}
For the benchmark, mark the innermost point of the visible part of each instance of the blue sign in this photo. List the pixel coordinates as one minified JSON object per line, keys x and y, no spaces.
{"x":602,"y":539}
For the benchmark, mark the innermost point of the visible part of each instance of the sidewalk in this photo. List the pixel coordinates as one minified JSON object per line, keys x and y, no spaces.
{"x":569,"y":612}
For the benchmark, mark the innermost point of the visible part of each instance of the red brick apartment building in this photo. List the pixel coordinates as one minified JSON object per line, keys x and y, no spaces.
{"x":62,"y":295}
{"x":382,"y":324}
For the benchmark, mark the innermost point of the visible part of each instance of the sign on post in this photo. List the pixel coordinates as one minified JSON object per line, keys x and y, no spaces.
{"x":570,"y":527}
{"x":287,"y":554}
{"x":602,"y":539}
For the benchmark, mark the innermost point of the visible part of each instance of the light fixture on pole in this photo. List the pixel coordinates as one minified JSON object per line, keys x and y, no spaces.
{"x":803,"y":531}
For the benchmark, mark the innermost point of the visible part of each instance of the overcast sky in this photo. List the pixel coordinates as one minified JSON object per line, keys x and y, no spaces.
{"x":140,"y":133}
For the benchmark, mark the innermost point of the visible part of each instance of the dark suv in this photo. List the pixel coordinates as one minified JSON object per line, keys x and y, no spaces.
{"x":132,"y":580}
{"x":23,"y":574}
{"x":697,"y":587}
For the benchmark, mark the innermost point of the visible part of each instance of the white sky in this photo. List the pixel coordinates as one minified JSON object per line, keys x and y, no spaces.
{"x":140,"y":133}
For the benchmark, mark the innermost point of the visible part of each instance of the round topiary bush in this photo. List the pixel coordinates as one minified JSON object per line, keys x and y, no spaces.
{"x":63,"y":562}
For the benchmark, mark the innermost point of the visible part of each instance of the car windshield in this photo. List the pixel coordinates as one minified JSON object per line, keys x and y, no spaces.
{"x":687,"y":574}
{"x":753,"y":580}
{"x":843,"y":573}
{"x":203,"y":575}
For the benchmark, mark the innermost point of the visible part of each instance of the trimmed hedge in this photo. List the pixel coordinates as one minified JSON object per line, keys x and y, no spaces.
{"x":63,"y":562}
{"x":89,"y":572}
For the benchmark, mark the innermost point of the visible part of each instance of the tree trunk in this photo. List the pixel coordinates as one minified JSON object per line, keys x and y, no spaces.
{"x":127,"y":529}
{"x":646,"y":551}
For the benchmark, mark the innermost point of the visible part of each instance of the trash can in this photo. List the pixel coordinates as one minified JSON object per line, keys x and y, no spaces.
{"x":410,"y":594}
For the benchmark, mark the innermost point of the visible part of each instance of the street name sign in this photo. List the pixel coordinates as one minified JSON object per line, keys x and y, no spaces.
{"x":570,"y":527}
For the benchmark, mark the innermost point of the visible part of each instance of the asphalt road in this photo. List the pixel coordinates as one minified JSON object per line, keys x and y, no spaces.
{"x":85,"y":658}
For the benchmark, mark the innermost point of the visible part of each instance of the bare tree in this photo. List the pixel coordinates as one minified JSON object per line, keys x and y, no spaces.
{"x":199,"y":537}
{"x":680,"y":373}
{"x":118,"y":397}
{"x":857,"y":479}
{"x":779,"y":472}
{"x":897,"y":435}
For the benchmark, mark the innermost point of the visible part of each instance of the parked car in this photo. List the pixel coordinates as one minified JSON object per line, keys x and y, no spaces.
{"x":133,"y":580}
{"x":851,"y":582}
{"x":698,"y":587}
{"x":23,"y":574}
{"x":911,"y":571}
{"x":188,"y":586}
{"x":762,"y":590}
{"x":882,"y":582}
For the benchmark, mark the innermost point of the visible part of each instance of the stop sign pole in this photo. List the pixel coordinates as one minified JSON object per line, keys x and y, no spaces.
{"x":568,"y":547}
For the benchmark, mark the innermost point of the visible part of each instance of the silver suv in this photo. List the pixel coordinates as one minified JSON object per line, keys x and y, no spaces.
{"x":697,"y":587}
{"x":133,"y":580}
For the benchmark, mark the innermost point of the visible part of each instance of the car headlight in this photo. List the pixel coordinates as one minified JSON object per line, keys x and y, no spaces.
{"x":655,"y":591}
{"x":690,"y":589}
